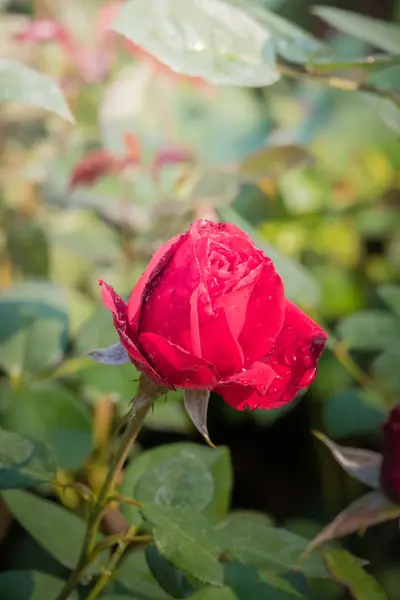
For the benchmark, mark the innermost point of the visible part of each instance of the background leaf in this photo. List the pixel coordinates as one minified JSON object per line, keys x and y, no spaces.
{"x":19,"y":83}
{"x":346,"y":569}
{"x":212,"y":593}
{"x":182,"y":482}
{"x":187,"y":540}
{"x":42,"y":518}
{"x":273,"y":161}
{"x":369,"y":330}
{"x":23,"y":463}
{"x":212,"y":39}
{"x":53,"y":415}
{"x":33,"y":327}
{"x":363,"y":465}
{"x":373,"y":31}
{"x":217,"y":462}
{"x":247,"y":584}
{"x":30,"y":585}
{"x":256,"y":544}
{"x":390,"y":294}
{"x":370,"y":509}
{"x":135,"y":577}
{"x":172,"y":580}
{"x":349,"y":413}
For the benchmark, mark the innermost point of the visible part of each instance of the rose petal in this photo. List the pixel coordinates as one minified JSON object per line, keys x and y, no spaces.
{"x":217,"y":344}
{"x":302,"y":323}
{"x":117,"y":306}
{"x":156,"y":265}
{"x":264,"y":316}
{"x":179,"y":368}
{"x":249,"y":388}
{"x":113,"y":302}
{"x":167,"y":311}
{"x":295,"y":354}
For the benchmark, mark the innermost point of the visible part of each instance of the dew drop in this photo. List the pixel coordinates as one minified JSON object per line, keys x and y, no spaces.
{"x":277,"y":385}
{"x":290,"y":356}
{"x":307,"y":378}
{"x":308,"y":359}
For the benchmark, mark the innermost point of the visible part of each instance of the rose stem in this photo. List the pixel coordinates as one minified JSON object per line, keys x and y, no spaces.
{"x":147,"y":393}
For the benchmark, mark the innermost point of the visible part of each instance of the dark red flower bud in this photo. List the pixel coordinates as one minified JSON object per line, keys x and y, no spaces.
{"x":390,"y":472}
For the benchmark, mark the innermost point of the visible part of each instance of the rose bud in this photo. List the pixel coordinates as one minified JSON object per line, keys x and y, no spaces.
{"x":390,"y":470}
{"x":210,"y":313}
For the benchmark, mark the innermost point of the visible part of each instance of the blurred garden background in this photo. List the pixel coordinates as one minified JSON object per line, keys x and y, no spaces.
{"x":308,"y":166}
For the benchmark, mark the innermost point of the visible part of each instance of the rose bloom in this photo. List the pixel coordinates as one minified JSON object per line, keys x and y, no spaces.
{"x":210,"y":313}
{"x":390,"y":470}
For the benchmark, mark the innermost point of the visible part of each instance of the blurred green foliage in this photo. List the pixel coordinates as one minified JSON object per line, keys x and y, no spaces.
{"x":306,"y":162}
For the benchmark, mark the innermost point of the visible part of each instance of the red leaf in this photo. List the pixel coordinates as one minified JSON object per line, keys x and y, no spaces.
{"x":95,"y":165}
{"x":371,"y":509}
{"x":45,"y":30}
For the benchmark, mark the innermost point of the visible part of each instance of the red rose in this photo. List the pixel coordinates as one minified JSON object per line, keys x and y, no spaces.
{"x":390,"y":470}
{"x":210,"y":313}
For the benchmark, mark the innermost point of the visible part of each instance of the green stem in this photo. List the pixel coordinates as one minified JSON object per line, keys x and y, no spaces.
{"x":109,"y":570}
{"x":147,"y":393}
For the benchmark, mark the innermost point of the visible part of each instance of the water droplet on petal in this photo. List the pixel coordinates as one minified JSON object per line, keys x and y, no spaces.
{"x":308,"y":359}
{"x":307,"y":378}
{"x":277,"y":385}
{"x":290,"y":356}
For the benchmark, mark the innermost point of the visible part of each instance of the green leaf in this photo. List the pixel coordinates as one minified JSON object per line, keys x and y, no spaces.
{"x":33,"y":327}
{"x":56,"y":529}
{"x":122,"y":597}
{"x":346,"y":569}
{"x":182,"y":481}
{"x":250,"y":585}
{"x":134,"y":576}
{"x":375,"y":32}
{"x":258,"y":545}
{"x":97,"y":332}
{"x":369,"y":330}
{"x":187,"y":540}
{"x":212,"y":593}
{"x":118,"y":381}
{"x":212,"y":39}
{"x":348,"y":412}
{"x":300,"y":285}
{"x":385,"y":368}
{"x":28,"y":246}
{"x":385,"y":108}
{"x":19,"y":83}
{"x":370,"y":509}
{"x":363,"y":465}
{"x":23,"y":463}
{"x":171,"y":579}
{"x":271,"y":162}
{"x":53,"y":415}
{"x":217,"y":462}
{"x":390,"y":294}
{"x":291,"y":42}
{"x":31,"y":585}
